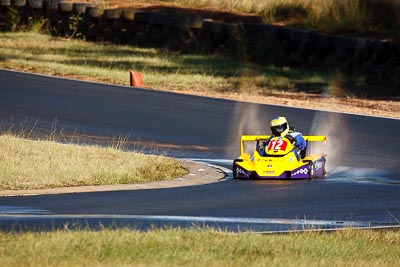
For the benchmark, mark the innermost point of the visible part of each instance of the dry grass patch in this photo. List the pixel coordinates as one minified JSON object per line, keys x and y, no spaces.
{"x":29,"y":164}
{"x":177,"y":247}
{"x":377,"y":17}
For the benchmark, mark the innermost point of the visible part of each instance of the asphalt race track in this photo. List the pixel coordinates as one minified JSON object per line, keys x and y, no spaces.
{"x":362,"y":188}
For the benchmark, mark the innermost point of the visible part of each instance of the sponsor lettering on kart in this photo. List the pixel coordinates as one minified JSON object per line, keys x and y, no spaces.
{"x":318,"y":165}
{"x":301,"y":171}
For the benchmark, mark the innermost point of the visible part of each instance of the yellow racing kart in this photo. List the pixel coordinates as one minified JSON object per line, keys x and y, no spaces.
{"x":281,"y":160}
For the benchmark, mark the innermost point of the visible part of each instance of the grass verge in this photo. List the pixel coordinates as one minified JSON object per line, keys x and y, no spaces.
{"x":29,"y":164}
{"x":176,"y":247}
{"x":161,"y":69}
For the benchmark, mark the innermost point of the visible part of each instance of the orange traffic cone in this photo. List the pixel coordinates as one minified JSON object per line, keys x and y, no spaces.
{"x":136,"y":78}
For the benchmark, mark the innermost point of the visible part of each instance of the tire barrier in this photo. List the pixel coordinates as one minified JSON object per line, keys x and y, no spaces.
{"x":261,"y":43}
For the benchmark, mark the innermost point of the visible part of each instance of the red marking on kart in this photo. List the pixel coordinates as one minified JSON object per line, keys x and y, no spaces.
{"x":277,"y":144}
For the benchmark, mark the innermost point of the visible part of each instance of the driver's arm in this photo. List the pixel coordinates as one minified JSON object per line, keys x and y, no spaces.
{"x":261,"y":148}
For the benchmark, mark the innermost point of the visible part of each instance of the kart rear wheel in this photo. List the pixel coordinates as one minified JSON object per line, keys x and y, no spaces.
{"x":310,"y":170}
{"x":324,"y":168}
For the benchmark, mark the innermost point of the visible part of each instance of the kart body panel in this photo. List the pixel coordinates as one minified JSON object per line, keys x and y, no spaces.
{"x":281,"y":160}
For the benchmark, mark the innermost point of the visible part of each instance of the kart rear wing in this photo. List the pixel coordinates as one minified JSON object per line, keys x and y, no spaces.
{"x":255,"y":138}
{"x":317,"y":138}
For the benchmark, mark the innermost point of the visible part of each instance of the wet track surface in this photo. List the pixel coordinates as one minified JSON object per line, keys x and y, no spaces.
{"x":362,"y":187}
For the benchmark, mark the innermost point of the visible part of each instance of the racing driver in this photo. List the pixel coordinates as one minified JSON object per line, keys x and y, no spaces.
{"x":280,"y":128}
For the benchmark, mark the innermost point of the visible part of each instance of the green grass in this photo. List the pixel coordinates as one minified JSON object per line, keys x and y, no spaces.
{"x":176,"y":247}
{"x":30,"y":164}
{"x":161,"y":69}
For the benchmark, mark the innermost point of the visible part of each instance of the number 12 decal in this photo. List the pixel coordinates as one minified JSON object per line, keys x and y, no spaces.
{"x":277,"y":145}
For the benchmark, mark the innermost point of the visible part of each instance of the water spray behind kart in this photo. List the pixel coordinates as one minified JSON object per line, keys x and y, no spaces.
{"x":248,"y":119}
{"x":334,"y":127}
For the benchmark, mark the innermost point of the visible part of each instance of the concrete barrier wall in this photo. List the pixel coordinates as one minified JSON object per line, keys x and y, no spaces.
{"x":261,"y":43}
